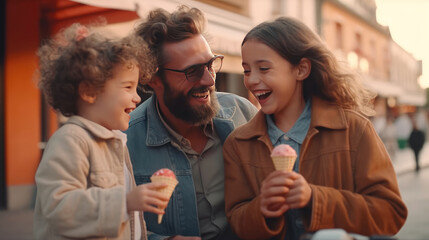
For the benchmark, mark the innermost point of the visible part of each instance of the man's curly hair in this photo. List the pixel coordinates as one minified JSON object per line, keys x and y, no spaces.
{"x":81,"y":55}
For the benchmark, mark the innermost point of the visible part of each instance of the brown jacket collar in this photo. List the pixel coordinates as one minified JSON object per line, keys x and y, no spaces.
{"x":323,"y":114}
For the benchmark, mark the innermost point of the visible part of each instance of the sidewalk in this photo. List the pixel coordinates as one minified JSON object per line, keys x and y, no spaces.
{"x":404,"y":162}
{"x":17,"y":225}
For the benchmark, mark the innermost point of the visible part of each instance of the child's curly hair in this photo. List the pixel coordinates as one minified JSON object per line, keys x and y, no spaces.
{"x":81,"y":55}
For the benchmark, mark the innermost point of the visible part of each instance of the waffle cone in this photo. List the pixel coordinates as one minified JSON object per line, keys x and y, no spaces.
{"x":167,"y":191}
{"x":284,"y":163}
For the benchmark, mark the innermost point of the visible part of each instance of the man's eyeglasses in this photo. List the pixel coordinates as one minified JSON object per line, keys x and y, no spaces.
{"x":195,"y":72}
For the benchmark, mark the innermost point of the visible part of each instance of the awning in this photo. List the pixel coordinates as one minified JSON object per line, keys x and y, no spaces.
{"x":389,"y":89}
{"x":225,"y":29}
{"x":129,"y":5}
{"x":384,"y":88}
{"x":413,"y":98}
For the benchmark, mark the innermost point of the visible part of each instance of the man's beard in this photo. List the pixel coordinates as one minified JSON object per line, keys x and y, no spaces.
{"x":179,"y":106}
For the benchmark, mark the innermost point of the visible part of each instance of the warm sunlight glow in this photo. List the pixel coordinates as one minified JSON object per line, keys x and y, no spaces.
{"x":408,"y":21}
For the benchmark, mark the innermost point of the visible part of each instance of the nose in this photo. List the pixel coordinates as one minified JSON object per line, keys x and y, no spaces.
{"x":136,"y":98}
{"x":251,"y":79}
{"x":208,"y":78}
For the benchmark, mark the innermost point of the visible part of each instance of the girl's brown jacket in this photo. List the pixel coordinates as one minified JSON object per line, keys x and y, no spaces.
{"x":354,"y":185}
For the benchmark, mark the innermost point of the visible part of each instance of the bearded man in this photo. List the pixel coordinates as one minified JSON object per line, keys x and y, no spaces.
{"x":183,"y":126}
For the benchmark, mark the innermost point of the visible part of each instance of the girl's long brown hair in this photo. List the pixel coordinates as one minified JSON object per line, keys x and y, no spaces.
{"x":328,"y":79}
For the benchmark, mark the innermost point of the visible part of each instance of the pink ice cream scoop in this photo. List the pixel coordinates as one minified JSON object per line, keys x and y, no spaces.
{"x":167,"y":176}
{"x":165,"y":172}
{"x":283,"y":150}
{"x":283,"y":157}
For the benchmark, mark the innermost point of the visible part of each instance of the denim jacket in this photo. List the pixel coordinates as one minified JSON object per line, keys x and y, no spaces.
{"x":150,"y":149}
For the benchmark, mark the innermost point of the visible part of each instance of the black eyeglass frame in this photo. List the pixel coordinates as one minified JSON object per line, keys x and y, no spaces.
{"x":207,"y":65}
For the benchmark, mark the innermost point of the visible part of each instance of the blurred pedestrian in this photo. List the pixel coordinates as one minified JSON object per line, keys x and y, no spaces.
{"x":388,"y":135}
{"x":416,"y":141}
{"x":404,"y":127}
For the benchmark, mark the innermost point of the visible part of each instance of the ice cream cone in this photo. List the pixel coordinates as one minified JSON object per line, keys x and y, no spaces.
{"x":168,"y":190}
{"x":284,"y":163}
{"x":283,"y":157}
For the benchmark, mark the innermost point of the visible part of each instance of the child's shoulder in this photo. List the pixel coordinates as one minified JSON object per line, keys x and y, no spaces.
{"x":355,"y":117}
{"x":255,"y":127}
{"x":69,"y":138}
{"x":70,"y":131}
{"x":70,"y":128}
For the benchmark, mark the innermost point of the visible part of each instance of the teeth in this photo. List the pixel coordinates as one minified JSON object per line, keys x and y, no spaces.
{"x":261,"y":93}
{"x":199,"y":94}
{"x":129,"y":110}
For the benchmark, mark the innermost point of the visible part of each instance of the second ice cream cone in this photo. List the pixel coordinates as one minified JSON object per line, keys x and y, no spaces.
{"x":168,"y":190}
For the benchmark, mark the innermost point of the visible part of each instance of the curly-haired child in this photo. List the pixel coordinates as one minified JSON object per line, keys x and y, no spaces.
{"x":85,"y":184}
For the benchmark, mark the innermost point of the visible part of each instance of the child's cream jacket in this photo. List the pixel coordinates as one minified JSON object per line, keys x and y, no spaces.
{"x":80,"y":185}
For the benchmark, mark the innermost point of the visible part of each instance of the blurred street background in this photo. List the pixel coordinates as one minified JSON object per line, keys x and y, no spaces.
{"x":17,"y":224}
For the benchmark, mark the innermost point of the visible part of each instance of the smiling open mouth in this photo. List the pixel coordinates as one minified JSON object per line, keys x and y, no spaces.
{"x":200,"y":95}
{"x":262,"y":95}
{"x":129,"y":110}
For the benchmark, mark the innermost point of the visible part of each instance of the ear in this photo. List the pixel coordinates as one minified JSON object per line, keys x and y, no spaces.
{"x":304,"y":69}
{"x":155,"y":83}
{"x":86,"y":93}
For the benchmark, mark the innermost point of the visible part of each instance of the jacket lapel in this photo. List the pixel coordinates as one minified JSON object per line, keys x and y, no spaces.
{"x":157,"y":135}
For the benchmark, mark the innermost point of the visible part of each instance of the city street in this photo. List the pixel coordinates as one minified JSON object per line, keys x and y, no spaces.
{"x":17,"y":225}
{"x":414,"y":190}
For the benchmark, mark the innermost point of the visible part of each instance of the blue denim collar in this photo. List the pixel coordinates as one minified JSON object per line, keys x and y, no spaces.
{"x":297,"y":133}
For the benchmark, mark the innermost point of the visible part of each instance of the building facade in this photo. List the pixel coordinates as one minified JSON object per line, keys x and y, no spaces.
{"x":351,"y":30}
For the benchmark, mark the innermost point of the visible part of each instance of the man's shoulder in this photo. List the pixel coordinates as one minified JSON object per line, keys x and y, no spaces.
{"x":235,"y":109}
{"x":230,"y":97}
{"x":228,"y":100}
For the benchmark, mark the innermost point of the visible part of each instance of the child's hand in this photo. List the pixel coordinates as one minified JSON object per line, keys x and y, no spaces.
{"x":300,"y":192}
{"x":145,"y":198}
{"x":273,"y":191}
{"x":283,"y":190}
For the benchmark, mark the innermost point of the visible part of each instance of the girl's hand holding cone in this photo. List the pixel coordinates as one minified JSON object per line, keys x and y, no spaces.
{"x":283,"y":189}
